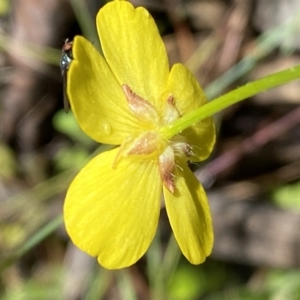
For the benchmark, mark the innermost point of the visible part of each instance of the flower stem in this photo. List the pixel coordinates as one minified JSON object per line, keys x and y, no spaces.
{"x":222,"y":102}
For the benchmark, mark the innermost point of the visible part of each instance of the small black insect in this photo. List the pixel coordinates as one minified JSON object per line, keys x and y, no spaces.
{"x":65,"y":62}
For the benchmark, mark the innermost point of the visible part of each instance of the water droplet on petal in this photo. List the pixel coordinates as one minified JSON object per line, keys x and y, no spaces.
{"x":106,"y":128}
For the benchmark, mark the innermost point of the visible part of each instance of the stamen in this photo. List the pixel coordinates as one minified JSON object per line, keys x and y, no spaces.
{"x":166,"y":168}
{"x":146,"y":144}
{"x":142,"y":144}
{"x":181,"y":146}
{"x":142,"y":108}
{"x":186,"y":149}
{"x":171,"y":112}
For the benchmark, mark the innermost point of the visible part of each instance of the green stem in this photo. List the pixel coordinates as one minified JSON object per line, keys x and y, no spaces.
{"x":220,"y":103}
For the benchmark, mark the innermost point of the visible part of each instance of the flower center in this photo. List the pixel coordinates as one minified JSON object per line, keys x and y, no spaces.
{"x":150,"y":144}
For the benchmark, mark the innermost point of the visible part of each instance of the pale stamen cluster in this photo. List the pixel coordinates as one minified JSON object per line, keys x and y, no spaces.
{"x":150,"y":142}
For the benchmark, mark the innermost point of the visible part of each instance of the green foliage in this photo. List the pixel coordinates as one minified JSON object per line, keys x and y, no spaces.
{"x":4,"y":7}
{"x":45,"y":284}
{"x":8,"y":165}
{"x":67,"y":124}
{"x":288,"y":196}
{"x":283,"y":284}
{"x":74,"y":157}
{"x":188,"y":282}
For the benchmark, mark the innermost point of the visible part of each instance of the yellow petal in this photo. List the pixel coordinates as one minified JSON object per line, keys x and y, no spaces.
{"x":189,"y":96}
{"x":134,"y":49}
{"x":113,"y":213}
{"x":97,"y":100}
{"x":189,"y":216}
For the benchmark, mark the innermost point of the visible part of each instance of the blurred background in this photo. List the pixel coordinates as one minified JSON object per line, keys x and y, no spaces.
{"x":252,"y":178}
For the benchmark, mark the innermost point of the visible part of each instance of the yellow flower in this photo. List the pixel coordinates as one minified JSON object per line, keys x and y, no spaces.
{"x":127,"y":98}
